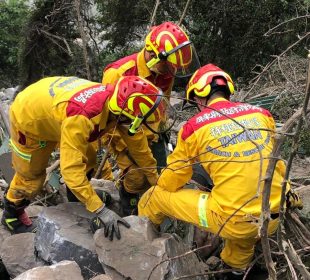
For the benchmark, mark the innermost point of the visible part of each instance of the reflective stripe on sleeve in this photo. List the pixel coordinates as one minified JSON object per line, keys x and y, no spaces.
{"x":202,"y":210}
{"x":18,"y":152}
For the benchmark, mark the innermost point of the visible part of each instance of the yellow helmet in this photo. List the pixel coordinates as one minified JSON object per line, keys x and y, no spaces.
{"x":170,"y":43}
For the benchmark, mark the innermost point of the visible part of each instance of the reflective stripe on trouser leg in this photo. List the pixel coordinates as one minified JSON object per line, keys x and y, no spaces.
{"x":18,"y":152}
{"x":202,"y":210}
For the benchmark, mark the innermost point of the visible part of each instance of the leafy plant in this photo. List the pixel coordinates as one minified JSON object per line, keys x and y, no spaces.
{"x":13,"y":15}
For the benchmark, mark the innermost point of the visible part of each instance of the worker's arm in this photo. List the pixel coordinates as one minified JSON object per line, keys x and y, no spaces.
{"x":179,"y":164}
{"x":75,"y":131}
{"x":140,"y":151}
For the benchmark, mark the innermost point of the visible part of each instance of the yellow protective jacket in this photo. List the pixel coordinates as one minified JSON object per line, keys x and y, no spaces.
{"x":75,"y":113}
{"x":228,"y":155}
{"x":135,"y":64}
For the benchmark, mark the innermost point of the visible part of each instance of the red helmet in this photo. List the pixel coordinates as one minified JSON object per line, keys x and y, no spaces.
{"x":205,"y":79}
{"x":138,"y":100}
{"x":170,"y":43}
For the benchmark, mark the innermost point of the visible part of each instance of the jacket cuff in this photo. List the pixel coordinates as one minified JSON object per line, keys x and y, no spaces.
{"x":94,"y":203}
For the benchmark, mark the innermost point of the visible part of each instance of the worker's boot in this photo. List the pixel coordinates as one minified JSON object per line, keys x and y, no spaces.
{"x":15,"y":218}
{"x":234,"y":275}
{"x":129,"y":202}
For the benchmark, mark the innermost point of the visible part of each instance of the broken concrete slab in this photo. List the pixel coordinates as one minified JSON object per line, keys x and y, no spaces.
{"x":102,"y":277}
{"x":64,"y":234}
{"x":60,"y":271}
{"x":18,"y":253}
{"x":141,"y":248}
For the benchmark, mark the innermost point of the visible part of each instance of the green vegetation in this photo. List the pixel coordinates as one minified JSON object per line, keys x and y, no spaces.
{"x":13,"y":16}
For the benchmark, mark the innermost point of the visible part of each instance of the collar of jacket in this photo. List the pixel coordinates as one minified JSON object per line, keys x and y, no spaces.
{"x":219,"y":99}
{"x":143,"y":70}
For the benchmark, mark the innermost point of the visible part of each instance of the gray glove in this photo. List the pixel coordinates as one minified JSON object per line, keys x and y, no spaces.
{"x":109,"y":220}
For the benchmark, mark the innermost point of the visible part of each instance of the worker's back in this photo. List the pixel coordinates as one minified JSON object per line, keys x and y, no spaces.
{"x":231,"y":158}
{"x":39,"y":109}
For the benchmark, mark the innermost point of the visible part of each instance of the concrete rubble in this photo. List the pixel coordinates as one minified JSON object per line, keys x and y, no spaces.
{"x":140,"y":249}
{"x":64,"y":234}
{"x":18,"y":253}
{"x":60,"y":271}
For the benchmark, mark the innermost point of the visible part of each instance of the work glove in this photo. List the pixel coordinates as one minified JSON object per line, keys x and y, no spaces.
{"x":109,"y":220}
{"x":293,"y":200}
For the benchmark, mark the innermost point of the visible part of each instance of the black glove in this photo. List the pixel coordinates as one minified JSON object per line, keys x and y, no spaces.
{"x":293,"y":200}
{"x":109,"y":220}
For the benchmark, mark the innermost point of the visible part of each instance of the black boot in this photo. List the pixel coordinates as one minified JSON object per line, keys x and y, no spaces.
{"x":129,"y":202}
{"x":15,"y":218}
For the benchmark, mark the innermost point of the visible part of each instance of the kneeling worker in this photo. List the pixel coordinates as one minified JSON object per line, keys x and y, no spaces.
{"x":74,"y":112}
{"x":216,"y":138}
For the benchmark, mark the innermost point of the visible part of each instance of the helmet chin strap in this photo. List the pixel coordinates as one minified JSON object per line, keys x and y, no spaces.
{"x":135,"y":125}
{"x":139,"y":119}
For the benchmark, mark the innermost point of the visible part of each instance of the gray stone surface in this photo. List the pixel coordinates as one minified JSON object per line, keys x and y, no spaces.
{"x":18,"y":253}
{"x":108,"y":186}
{"x":65,"y":270}
{"x":140,"y":249}
{"x":64,"y":234}
{"x":102,"y":277}
{"x":4,"y":233}
{"x":34,"y":210}
{"x":305,"y":197}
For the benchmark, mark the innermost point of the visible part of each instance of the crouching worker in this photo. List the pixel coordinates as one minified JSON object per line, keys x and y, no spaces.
{"x":216,"y":138}
{"x":73,"y":112}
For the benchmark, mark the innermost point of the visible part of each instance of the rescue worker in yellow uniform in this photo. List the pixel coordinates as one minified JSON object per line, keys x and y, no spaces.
{"x":215,"y":138}
{"x":74,"y":112}
{"x":168,"y":53}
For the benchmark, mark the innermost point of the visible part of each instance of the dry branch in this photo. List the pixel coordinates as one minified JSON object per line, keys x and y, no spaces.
{"x":184,"y":12}
{"x":83,"y":37}
{"x":154,"y":13}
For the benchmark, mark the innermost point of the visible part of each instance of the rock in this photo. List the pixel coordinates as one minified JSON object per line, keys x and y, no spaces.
{"x":102,"y":277}
{"x":34,"y":210}
{"x":140,"y":249}
{"x":9,"y":93}
{"x":4,"y":233}
{"x":4,"y":275}
{"x":18,"y":253}
{"x":64,"y":234}
{"x":214,"y":263}
{"x":304,"y":195}
{"x":64,"y":270}
{"x":108,"y":186}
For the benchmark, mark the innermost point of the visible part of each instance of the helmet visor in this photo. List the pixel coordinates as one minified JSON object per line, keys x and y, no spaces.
{"x":183,"y":60}
{"x":167,"y":120}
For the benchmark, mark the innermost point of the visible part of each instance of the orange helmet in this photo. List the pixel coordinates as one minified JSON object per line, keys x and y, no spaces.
{"x":206,"y":79}
{"x":138,"y":100}
{"x":170,"y":43}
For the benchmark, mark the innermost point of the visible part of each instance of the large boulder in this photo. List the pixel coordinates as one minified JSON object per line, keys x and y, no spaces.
{"x":64,"y":234}
{"x":140,"y":249}
{"x":18,"y":253}
{"x":60,"y":271}
{"x":304,"y":195}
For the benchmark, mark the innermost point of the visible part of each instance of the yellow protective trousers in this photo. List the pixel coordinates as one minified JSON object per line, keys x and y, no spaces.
{"x":133,"y":178}
{"x":30,"y":159}
{"x":239,"y":233}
